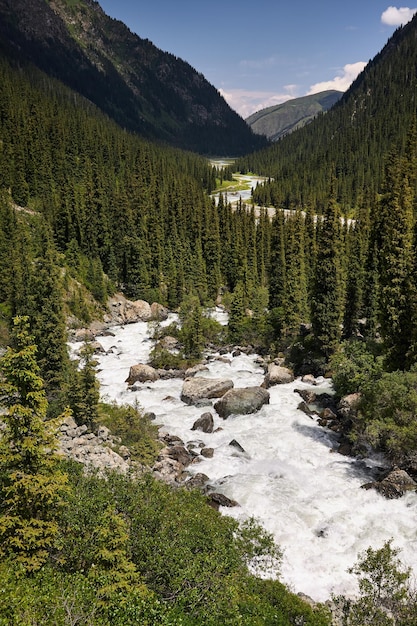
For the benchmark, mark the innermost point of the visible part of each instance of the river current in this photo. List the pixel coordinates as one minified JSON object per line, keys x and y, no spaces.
{"x":290,"y":477}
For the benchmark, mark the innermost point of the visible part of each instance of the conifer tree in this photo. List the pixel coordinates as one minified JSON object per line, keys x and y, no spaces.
{"x":44,"y":305}
{"x":326,"y":304}
{"x":31,"y":483}
{"x":113,"y":571}
{"x":237,"y":313}
{"x":83,"y":393}
{"x":295,"y":296}
{"x":396,"y":262}
{"x":191,"y":331}
{"x":277,"y":279}
{"x":355,"y":280}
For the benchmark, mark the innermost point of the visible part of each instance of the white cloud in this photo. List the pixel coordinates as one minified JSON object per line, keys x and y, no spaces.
{"x":341,"y":82}
{"x":394,"y":16}
{"x":246,"y":102}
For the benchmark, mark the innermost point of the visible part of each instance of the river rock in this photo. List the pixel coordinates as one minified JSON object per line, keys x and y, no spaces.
{"x":235,"y":444}
{"x":207,"y":452}
{"x":159,"y":312}
{"x":192,"y":371}
{"x":93,"y":451}
{"x":278,"y":375}
{"x":96,"y":347}
{"x":141,"y":373}
{"x":197,"y":481}
{"x":216,"y":500}
{"x":394,"y":485}
{"x":195,"y":389}
{"x":171,"y":440}
{"x":242,"y":401}
{"x":309,"y":378}
{"x":83,"y":334}
{"x":307,"y":395}
{"x":205,"y":423}
{"x":178,"y":453}
{"x":167,"y":374}
{"x":168,"y":343}
{"x":303,"y":406}
{"x":124,"y":311}
{"x":168,"y":470}
{"x":349,"y":405}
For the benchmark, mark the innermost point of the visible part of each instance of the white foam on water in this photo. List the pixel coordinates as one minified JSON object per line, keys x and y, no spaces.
{"x":290,"y":478}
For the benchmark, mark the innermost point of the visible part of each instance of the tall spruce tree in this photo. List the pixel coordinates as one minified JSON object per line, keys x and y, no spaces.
{"x":295,"y":296}
{"x":326,"y":304}
{"x":31,"y":484}
{"x":45,"y":308}
{"x":277,"y":278}
{"x":396,"y":262}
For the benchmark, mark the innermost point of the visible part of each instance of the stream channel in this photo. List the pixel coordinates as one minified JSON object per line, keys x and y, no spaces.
{"x":290,"y":477}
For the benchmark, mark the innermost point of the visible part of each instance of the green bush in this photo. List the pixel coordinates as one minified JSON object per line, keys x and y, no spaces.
{"x":135,"y":430}
{"x":49,"y":597}
{"x":385,"y":594}
{"x":388,"y":416}
{"x":134,"y":551}
{"x":160,"y":358}
{"x":353,"y":366}
{"x":269,"y":603}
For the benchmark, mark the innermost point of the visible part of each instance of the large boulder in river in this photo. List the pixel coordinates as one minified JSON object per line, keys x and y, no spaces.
{"x":242,"y":401}
{"x":141,"y":373}
{"x":195,"y":389}
{"x":278,"y":375}
{"x":205,"y":423}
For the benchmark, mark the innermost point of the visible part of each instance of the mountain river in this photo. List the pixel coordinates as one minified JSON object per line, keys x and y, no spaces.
{"x":290,"y":477}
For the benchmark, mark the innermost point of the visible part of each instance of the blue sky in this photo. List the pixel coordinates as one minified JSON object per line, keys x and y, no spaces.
{"x":265,"y":52}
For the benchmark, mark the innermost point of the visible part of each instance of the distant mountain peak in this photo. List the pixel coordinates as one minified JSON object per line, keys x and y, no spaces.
{"x":281,"y":119}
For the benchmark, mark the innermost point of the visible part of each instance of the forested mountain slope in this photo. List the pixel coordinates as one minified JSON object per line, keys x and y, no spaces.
{"x":100,"y":198}
{"x":142,"y":88}
{"x":352,"y":140}
{"x":277,"y":121}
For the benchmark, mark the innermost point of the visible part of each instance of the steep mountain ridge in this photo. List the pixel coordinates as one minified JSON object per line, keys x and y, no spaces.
{"x":281,"y":119}
{"x":351,"y":142}
{"x":142,"y":88}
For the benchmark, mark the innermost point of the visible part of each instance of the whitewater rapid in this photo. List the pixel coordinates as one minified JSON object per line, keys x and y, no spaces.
{"x":302,"y":491}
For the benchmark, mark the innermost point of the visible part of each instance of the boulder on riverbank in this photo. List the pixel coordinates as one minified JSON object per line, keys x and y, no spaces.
{"x":120,"y":311}
{"x":141,"y":373}
{"x":216,"y":500}
{"x":278,"y":375}
{"x":242,"y":401}
{"x":394,"y":485}
{"x":124,"y":311}
{"x":195,"y":389}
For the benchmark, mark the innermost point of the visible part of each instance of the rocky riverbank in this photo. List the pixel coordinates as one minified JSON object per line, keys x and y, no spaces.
{"x":99,"y":449}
